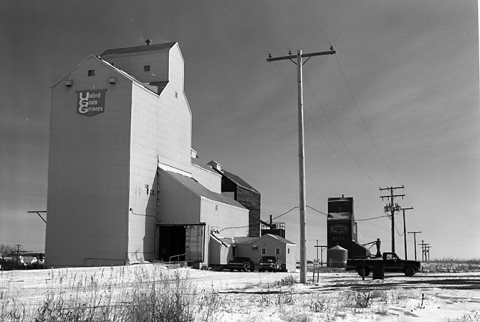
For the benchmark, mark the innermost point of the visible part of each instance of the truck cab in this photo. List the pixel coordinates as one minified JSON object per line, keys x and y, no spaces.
{"x":391,"y":262}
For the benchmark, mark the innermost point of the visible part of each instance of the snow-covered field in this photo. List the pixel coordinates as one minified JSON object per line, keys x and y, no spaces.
{"x":66,"y":294}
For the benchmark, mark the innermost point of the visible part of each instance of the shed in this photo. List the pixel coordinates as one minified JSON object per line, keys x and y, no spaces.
{"x":267,"y":245}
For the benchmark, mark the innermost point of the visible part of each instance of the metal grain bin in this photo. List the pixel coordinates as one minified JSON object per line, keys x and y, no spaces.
{"x":337,"y":257}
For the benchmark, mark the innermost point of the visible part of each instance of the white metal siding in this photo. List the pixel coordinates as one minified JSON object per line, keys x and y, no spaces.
{"x":88,"y":171}
{"x":208,"y":179}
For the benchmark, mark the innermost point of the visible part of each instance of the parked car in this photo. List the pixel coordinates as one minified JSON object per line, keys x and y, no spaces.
{"x":34,"y":260}
{"x":24,"y":261}
{"x":241,"y":264}
{"x":270,"y":263}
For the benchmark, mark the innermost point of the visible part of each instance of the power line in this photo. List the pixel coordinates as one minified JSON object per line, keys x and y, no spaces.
{"x":281,"y":39}
{"x":351,"y":94}
{"x":318,"y":25}
{"x":321,"y":107}
{"x":244,"y":29}
{"x":372,"y":218}
{"x":324,"y":139}
{"x":363,"y":120}
{"x":366,"y":219}
{"x":273,"y":27}
{"x":341,"y":140}
{"x":285,"y":213}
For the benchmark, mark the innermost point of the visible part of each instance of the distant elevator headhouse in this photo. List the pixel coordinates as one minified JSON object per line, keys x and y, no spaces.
{"x":342,"y":228}
{"x":341,"y":222}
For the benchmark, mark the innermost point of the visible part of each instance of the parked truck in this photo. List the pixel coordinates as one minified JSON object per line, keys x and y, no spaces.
{"x":390,"y":261}
{"x":241,"y":264}
{"x":270,"y":263}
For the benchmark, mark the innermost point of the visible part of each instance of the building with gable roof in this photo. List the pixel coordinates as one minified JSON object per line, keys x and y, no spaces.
{"x":244,"y":193}
{"x":255,"y":248}
{"x":124,"y":184}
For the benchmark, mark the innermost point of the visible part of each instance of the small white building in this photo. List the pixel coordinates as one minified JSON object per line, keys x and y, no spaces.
{"x":254,"y":248}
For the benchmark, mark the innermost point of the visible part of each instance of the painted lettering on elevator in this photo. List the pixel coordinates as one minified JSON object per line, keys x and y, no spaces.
{"x":91,"y":102}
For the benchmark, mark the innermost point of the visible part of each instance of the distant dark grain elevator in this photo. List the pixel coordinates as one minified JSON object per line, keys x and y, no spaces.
{"x":342,"y":228}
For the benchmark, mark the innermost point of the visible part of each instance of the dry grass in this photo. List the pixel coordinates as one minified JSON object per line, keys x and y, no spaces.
{"x":159,"y":294}
{"x":166,"y":295}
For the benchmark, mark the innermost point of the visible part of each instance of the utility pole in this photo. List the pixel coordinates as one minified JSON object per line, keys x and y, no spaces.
{"x":427,"y":252}
{"x":424,"y":250}
{"x":301,"y":152}
{"x":321,"y":252}
{"x":392,"y":209}
{"x":18,"y":253}
{"x":405,"y":230}
{"x":415,"y":240}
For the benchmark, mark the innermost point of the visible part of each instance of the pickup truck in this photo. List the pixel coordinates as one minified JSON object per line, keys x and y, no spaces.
{"x":270,"y":263}
{"x":241,"y":264}
{"x":391,"y":261}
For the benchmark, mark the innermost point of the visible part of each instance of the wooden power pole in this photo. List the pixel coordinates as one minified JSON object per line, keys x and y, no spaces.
{"x":301,"y":151}
{"x":415,"y":241}
{"x":392,"y":208}
{"x":405,"y":231}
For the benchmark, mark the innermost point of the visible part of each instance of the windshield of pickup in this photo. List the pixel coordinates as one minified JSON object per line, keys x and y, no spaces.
{"x":242,"y":259}
{"x":269,"y":258}
{"x":391,"y":257}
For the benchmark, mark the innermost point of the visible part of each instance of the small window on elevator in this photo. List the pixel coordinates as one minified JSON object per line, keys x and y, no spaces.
{"x":91,"y":72}
{"x":146,"y":68}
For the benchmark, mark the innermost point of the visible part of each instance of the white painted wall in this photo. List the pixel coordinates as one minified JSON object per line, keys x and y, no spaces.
{"x":177,"y":204}
{"x":88,"y":172}
{"x":175,"y":118}
{"x":230,"y":220}
{"x":287,"y":251}
{"x":209,"y":179}
{"x":143,"y":168}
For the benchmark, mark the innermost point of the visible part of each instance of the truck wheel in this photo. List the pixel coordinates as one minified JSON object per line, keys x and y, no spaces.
{"x":409,"y":271}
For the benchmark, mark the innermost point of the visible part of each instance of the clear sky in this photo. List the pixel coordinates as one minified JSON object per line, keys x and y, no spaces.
{"x":397,"y":105}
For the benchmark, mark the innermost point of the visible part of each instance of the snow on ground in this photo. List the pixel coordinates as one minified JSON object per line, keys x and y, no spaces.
{"x":253,"y":296}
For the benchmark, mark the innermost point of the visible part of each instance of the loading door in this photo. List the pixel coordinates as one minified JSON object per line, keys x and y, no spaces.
{"x":182,"y":242}
{"x":194,"y":243}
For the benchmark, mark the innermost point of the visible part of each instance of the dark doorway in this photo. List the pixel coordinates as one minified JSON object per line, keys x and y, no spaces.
{"x":172,"y":242}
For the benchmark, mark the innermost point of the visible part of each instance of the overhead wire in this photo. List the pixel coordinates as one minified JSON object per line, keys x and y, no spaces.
{"x":343,"y":143}
{"x":325,"y":140}
{"x":343,"y":75}
{"x":364,"y":123}
{"x":308,"y":116}
{"x":351,"y":94}
{"x":349,"y":89}
{"x":244,"y":29}
{"x":285,"y":212}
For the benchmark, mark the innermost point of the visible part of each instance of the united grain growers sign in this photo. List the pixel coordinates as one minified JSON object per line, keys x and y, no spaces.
{"x":91,"y":102}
